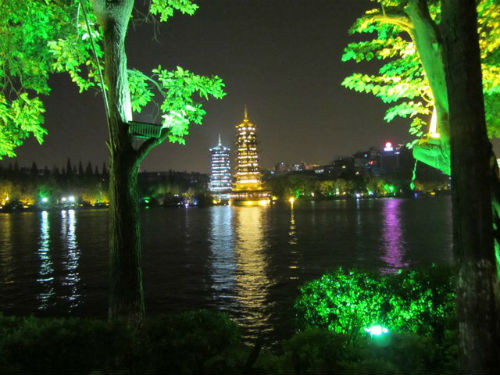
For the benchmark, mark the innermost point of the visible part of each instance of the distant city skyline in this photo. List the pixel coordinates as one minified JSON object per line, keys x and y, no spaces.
{"x":75,"y":163}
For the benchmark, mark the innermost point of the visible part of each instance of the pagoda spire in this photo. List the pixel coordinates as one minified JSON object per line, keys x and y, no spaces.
{"x":220,"y":142}
{"x":245,"y":113}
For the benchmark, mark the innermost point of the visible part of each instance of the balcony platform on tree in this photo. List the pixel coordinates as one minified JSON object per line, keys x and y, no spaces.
{"x":144,"y":130}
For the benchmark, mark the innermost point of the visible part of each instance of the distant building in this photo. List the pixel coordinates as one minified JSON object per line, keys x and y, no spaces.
{"x":367,"y":161}
{"x":220,"y":171}
{"x":311,"y":166}
{"x":299,"y":167}
{"x":281,"y":168}
{"x":284,"y":168}
{"x":390,"y":158}
{"x":248,"y":178}
{"x":342,"y":167}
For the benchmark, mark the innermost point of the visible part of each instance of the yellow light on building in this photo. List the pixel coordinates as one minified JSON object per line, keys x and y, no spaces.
{"x":247,"y":167}
{"x":248,"y":188}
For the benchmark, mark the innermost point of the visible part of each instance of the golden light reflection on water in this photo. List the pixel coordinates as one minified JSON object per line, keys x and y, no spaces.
{"x":292,"y":241}
{"x":251,"y":279}
{"x":292,"y":230}
{"x":6,"y":257}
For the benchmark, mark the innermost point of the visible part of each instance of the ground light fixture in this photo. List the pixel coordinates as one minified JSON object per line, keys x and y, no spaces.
{"x":376,"y":330}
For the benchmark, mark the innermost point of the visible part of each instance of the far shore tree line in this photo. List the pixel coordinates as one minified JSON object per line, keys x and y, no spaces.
{"x":44,"y":187}
{"x":314,"y":187}
{"x":47,"y":188}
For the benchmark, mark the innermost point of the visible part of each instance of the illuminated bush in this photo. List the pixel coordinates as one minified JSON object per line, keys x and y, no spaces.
{"x":422,"y":301}
{"x":349,"y":301}
{"x":343,"y":302}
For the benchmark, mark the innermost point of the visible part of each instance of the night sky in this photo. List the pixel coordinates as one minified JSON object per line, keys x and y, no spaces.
{"x":282,"y":58}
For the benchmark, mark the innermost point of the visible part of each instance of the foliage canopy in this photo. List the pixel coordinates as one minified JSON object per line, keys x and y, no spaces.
{"x":401,"y":80}
{"x":43,"y":37}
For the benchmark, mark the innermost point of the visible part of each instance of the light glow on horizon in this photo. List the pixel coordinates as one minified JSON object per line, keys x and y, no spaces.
{"x":388,"y":147}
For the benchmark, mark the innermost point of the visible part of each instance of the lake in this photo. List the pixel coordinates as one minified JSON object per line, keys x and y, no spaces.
{"x":248,"y":261}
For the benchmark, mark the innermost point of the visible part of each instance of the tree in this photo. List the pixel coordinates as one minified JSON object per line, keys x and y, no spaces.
{"x":80,"y":168}
{"x":69,"y":168}
{"x":478,"y":306}
{"x":327,"y":188}
{"x":34,"y":169}
{"x":72,"y":36}
{"x":88,"y":169}
{"x":424,"y":77}
{"x":25,"y":61}
{"x":408,"y":39}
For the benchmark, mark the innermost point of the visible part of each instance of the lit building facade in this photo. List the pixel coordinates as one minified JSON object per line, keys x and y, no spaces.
{"x":248,"y":184}
{"x":220,"y":172}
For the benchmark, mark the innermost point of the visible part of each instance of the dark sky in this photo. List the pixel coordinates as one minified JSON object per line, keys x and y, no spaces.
{"x":282,"y":58}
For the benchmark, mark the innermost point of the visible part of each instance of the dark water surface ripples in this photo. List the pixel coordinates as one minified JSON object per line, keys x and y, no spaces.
{"x":248,"y":261}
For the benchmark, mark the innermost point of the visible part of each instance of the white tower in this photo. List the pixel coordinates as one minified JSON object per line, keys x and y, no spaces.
{"x":220,"y":172}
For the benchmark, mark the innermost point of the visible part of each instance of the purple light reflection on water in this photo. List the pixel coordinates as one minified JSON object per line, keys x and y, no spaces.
{"x":392,"y":236}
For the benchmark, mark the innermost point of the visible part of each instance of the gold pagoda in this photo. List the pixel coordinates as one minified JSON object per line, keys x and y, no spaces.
{"x":248,"y":188}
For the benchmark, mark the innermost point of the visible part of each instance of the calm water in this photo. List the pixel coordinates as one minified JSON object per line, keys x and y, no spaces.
{"x":248,"y":261}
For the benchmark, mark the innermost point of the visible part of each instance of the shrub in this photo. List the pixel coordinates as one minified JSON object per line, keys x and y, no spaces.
{"x":199,"y":342}
{"x":406,"y":353}
{"x":349,"y":301}
{"x":422,"y":301}
{"x":342,"y":302}
{"x":59,"y":346}
{"x":315,"y":351}
{"x":319,"y":351}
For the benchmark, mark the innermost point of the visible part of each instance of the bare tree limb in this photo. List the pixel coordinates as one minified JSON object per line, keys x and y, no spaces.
{"x":150,"y":144}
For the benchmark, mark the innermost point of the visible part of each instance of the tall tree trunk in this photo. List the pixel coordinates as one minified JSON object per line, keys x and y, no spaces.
{"x":477,"y":288}
{"x":427,"y":38}
{"x":126,"y":292}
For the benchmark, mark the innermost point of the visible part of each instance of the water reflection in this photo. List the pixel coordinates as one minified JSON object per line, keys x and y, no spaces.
{"x":392,"y":236}
{"x":292,"y":241}
{"x":252,"y":282}
{"x":249,"y":249}
{"x":46,"y":273}
{"x":6,"y":257}
{"x":71,"y":256}
{"x":222,"y":255}
{"x":292,"y":230}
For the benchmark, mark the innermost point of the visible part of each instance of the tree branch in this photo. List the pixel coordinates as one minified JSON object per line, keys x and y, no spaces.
{"x":150,"y":144}
{"x":398,"y":19}
{"x":156,"y":84}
